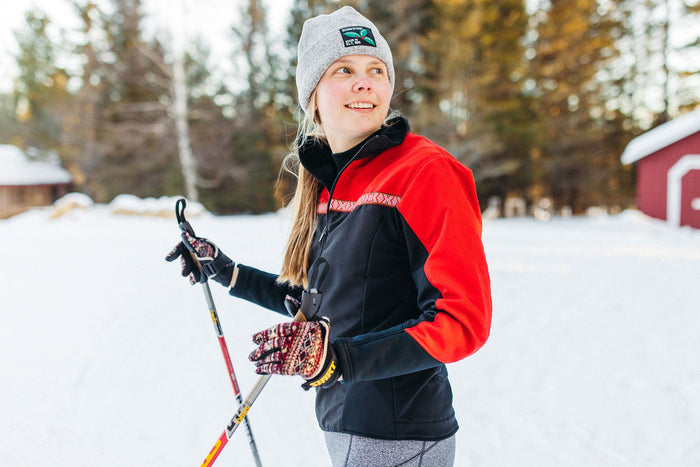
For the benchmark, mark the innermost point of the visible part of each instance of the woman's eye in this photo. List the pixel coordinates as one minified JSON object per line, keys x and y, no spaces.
{"x":377,"y":71}
{"x":343,"y":70}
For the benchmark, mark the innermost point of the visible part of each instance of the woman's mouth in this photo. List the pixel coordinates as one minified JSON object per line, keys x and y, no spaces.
{"x":361,"y":105}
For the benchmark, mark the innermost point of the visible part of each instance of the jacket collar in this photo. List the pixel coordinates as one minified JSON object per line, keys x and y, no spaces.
{"x":317,"y":157}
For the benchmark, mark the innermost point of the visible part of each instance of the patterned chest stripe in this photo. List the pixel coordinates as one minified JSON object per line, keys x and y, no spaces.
{"x":381,"y":199}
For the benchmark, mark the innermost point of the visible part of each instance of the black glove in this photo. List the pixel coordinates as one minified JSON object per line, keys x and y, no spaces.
{"x":210,"y":262}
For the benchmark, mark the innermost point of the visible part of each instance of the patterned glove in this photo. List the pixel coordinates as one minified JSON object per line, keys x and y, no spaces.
{"x":297,"y":348}
{"x":213,"y":263}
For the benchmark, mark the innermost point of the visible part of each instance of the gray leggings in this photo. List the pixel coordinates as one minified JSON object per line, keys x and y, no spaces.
{"x":356,"y":451}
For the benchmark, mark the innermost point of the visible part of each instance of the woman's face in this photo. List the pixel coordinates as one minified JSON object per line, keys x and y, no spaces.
{"x":352,"y":100}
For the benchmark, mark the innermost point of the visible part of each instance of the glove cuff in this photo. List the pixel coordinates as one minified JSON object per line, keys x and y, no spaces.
{"x":220,"y":269}
{"x":330,"y":371}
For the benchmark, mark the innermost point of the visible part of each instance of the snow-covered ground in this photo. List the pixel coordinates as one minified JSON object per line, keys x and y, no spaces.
{"x":109,"y":358}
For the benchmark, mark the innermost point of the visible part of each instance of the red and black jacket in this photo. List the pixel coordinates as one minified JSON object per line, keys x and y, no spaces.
{"x":406,"y":286}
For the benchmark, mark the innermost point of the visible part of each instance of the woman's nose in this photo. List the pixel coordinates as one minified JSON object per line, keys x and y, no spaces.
{"x":363,"y":83}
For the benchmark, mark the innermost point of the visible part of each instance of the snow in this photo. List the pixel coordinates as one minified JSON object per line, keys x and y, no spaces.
{"x":109,"y":358}
{"x":17,"y":169}
{"x":162,"y":207}
{"x":661,"y":136}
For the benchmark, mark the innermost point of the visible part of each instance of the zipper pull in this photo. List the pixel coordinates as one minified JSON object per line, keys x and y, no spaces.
{"x":323,"y":233}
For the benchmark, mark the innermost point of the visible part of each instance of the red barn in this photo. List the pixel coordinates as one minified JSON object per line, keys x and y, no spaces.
{"x":668,"y":170}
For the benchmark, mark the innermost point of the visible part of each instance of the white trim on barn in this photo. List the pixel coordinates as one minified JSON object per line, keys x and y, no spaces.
{"x":661,"y":136}
{"x":674,"y":187}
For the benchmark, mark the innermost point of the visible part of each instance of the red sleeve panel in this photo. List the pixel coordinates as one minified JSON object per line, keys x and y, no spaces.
{"x":442,"y":209}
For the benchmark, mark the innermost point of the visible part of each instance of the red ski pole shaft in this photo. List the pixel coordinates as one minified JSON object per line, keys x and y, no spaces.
{"x":240,"y":415}
{"x":229,"y":366}
{"x":220,"y":336}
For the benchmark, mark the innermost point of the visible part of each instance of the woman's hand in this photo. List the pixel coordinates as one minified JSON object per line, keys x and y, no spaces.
{"x":202,"y":260}
{"x":297,"y":348}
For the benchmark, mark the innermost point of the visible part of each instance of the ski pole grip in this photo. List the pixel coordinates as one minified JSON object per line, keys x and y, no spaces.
{"x":299,"y":317}
{"x":292,"y":305}
{"x":185,"y":226}
{"x":293,"y":309}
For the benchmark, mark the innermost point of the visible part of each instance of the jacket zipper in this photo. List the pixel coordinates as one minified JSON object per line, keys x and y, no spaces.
{"x":324,"y":232}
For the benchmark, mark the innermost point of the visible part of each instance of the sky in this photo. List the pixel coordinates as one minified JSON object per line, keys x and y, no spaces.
{"x":209,"y":18}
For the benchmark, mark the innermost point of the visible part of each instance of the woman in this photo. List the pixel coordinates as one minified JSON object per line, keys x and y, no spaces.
{"x":384,"y":255}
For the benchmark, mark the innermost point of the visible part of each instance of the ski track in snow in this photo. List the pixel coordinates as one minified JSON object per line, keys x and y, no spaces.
{"x":109,"y":358}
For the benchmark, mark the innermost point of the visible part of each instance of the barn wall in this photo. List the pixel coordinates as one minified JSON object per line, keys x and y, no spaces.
{"x":16,"y":199}
{"x":652,"y":171}
{"x":691,"y":191}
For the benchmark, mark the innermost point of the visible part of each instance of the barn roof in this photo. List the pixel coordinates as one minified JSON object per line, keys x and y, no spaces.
{"x":17,"y":169}
{"x":661,"y":136}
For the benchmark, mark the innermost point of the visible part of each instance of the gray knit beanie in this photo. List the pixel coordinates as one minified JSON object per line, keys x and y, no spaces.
{"x":326,"y":38}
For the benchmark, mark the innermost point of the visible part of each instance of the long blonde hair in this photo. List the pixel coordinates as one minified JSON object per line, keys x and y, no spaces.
{"x":295,"y":265}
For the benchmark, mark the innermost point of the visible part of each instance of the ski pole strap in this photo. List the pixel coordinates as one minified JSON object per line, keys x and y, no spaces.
{"x":218,"y":264}
{"x":310,"y":303}
{"x":311,"y":298}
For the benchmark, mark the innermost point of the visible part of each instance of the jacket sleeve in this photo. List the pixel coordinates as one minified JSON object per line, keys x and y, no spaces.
{"x":442,"y":224}
{"x":262,"y":288}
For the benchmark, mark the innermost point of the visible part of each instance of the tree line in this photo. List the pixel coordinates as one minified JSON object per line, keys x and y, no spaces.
{"x":538,"y":98}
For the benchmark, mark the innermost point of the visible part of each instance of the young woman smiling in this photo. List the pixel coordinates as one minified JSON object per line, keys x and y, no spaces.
{"x":384,"y":256}
{"x":352,"y":100}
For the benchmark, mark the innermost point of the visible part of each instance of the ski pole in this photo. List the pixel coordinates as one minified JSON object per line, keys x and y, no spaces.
{"x":186,"y":227}
{"x":229,"y":366}
{"x":240,"y":415}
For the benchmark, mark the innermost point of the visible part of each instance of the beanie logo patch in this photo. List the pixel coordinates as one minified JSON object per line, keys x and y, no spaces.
{"x":357,"y":35}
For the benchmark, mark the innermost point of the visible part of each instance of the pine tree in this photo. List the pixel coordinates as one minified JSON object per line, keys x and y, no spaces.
{"x":208,"y":128}
{"x":9,"y":130}
{"x":134,"y":148}
{"x":500,"y":115}
{"x":576,"y":157}
{"x":242,"y":177}
{"x":661,"y":78}
{"x":41,"y":95}
{"x":79,"y":142}
{"x":475,"y":78}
